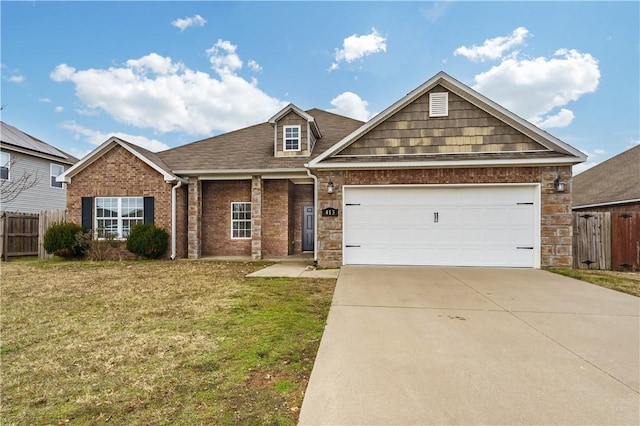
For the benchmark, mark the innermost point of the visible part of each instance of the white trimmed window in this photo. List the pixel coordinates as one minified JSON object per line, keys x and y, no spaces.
{"x":291,"y":138}
{"x":5,"y":165}
{"x":439,"y":104}
{"x":116,"y":215}
{"x":56,"y":170}
{"x":240,"y":220}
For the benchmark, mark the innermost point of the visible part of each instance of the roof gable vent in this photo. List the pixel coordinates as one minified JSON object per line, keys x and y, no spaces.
{"x":438,"y":104}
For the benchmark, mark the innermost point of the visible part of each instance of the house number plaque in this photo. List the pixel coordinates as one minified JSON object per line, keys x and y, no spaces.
{"x":330,"y":211}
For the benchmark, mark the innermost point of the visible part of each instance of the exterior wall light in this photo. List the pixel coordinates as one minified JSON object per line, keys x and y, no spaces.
{"x":330,"y":187}
{"x":559,"y":186}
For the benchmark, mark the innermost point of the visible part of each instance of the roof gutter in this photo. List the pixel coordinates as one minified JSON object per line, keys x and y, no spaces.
{"x":446,"y":164}
{"x":612,"y":203}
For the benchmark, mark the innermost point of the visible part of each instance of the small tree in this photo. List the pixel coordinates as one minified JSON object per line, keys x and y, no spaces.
{"x":147,"y":240}
{"x":11,"y":189}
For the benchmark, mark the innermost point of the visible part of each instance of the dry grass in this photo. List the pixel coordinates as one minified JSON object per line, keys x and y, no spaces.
{"x":626,"y":282}
{"x":163,"y":342}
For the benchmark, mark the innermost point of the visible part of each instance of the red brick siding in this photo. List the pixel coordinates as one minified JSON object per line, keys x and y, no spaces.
{"x":556,"y":219}
{"x":217,"y":197}
{"x":118,"y":173}
{"x":275,"y":218}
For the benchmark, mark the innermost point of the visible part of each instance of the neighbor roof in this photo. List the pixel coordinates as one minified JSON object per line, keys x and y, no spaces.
{"x":23,"y":142}
{"x":614,"y":181}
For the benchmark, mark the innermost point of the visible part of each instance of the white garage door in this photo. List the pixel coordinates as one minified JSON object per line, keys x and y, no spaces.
{"x":455,"y":226}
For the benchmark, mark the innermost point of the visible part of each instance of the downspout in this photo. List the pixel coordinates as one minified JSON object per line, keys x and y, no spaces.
{"x":315,"y":214}
{"x":174,"y":190}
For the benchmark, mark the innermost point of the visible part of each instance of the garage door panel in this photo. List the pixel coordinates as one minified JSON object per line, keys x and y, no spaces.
{"x":466,"y":226}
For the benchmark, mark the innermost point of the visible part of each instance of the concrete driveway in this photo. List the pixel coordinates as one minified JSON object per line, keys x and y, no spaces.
{"x":431,"y":345}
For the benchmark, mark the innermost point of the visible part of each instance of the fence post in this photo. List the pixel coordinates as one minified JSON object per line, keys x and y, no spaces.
{"x":47,"y":217}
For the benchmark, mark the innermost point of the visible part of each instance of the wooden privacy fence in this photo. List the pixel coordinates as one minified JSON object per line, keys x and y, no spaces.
{"x":604,"y":240}
{"x":22,"y":234}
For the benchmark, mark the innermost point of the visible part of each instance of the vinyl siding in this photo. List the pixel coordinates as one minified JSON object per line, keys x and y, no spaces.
{"x":41,"y":196}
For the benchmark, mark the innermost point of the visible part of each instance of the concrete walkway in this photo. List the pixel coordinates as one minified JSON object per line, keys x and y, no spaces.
{"x":293,"y":269}
{"x":420,"y":346}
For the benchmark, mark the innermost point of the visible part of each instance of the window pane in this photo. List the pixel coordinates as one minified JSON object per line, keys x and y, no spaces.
{"x":241,"y":220}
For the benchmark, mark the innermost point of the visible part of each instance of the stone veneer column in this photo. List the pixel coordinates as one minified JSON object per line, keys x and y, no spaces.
{"x":256,"y":217}
{"x":194,"y":230}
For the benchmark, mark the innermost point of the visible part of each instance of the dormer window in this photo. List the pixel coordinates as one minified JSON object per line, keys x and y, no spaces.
{"x":291,"y":138}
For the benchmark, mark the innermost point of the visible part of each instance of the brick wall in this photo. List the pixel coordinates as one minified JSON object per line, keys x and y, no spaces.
{"x":217,"y":197}
{"x":275,"y":218}
{"x":556,"y":220}
{"x":118,"y":173}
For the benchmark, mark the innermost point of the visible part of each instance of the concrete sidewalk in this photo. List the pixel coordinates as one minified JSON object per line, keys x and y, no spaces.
{"x":295,"y":270}
{"x":419,"y":346}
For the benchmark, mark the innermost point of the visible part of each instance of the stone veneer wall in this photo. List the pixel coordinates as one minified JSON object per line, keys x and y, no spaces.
{"x":119,"y":173}
{"x":556,"y":219}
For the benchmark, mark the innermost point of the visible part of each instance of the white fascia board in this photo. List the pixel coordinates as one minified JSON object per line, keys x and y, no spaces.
{"x":611,"y":203}
{"x":445,"y":164}
{"x":410,"y":97}
{"x":471,"y":95}
{"x":301,"y":113}
{"x":245,"y":174}
{"x":99,"y":151}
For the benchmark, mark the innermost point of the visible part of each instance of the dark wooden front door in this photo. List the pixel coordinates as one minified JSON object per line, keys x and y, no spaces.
{"x":307,"y":228}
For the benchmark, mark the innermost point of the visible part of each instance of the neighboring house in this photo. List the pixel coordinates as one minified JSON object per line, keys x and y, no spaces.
{"x":28,"y":171}
{"x":606,"y":203}
{"x":444,"y":176}
{"x":611,"y":186}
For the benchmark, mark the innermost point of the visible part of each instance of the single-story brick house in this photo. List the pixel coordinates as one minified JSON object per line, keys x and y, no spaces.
{"x":444,"y":176}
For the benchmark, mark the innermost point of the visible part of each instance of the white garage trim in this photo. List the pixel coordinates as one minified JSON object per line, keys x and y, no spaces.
{"x":453,"y":225}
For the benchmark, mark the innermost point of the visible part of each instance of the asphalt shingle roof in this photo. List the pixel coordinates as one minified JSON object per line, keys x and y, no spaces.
{"x":252,"y":147}
{"x":614,"y":180}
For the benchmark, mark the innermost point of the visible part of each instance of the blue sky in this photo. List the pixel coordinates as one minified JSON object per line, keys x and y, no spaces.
{"x":162,"y":74}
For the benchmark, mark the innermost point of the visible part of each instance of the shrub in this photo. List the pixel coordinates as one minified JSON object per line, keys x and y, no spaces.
{"x":147,"y":240}
{"x":63,"y":239}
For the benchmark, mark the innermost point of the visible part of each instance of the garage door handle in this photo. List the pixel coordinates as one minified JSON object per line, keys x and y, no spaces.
{"x":351,"y":245}
{"x":524,"y":248}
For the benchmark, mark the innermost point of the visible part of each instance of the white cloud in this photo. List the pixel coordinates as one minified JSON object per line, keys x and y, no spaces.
{"x":356,"y":47}
{"x":17,"y":78}
{"x":45,"y":100}
{"x":95,"y":137}
{"x":493,"y":48}
{"x":536,"y":88}
{"x":593,"y":159}
{"x":223,"y":57}
{"x":633,"y":143}
{"x":254,"y":65}
{"x":351,"y":105}
{"x":184,"y":23}
{"x":59,"y":108}
{"x":436,"y":10}
{"x":157,"y":93}
{"x":563,"y":118}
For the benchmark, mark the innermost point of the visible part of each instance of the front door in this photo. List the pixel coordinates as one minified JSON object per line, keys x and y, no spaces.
{"x":307,"y":228}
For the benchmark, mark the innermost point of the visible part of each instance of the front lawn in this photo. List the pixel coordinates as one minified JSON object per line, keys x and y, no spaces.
{"x":141,"y":343}
{"x":626,"y":282}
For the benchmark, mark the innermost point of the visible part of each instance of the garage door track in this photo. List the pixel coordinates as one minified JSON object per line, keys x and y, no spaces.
{"x":433,"y":345}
